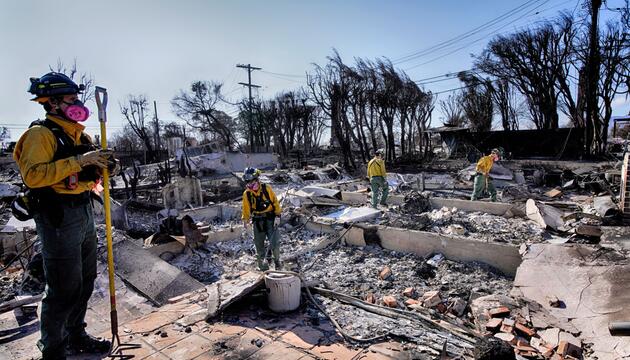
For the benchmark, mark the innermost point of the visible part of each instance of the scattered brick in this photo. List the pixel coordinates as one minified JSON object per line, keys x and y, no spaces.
{"x":431,"y":298}
{"x":409,"y":292}
{"x":385,"y":273}
{"x":494,"y":324}
{"x":502,"y":311}
{"x":566,"y":348}
{"x":410,"y":302}
{"x":370,"y":298}
{"x":508,"y":322}
{"x":521,"y":341}
{"x":525,"y":330}
{"x":390,"y":301}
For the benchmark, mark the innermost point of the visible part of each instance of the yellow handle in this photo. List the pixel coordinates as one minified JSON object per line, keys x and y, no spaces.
{"x":101,"y":103}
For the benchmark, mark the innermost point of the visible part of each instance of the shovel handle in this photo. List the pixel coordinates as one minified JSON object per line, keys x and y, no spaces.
{"x":101,"y":103}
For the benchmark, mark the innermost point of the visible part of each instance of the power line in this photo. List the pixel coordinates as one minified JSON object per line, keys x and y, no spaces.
{"x":467,"y":34}
{"x":474,"y":41}
{"x":282,"y":74}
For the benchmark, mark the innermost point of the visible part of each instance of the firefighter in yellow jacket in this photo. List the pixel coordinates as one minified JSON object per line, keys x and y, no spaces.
{"x":261,"y":206}
{"x":483,"y":182}
{"x":378,"y":179}
{"x":60,"y":166}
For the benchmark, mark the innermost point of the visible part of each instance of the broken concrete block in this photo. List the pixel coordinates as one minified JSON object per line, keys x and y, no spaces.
{"x":494,"y":324}
{"x":525,"y":330}
{"x":410,"y":302}
{"x":589,"y":230}
{"x":544,"y":215}
{"x":370,"y":298}
{"x":431,"y":298}
{"x":501,"y":311}
{"x":550,"y":336}
{"x":541,"y":346}
{"x":385,"y":273}
{"x":510,"y":338}
{"x":566,"y":348}
{"x":409,"y":292}
{"x":458,"y":307}
{"x":390,"y":301}
{"x":509,"y":322}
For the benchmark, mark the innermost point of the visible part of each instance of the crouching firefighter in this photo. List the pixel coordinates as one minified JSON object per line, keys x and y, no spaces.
{"x":60,"y":167}
{"x":262,"y":207}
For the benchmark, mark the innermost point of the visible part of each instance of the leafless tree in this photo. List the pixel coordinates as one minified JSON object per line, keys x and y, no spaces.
{"x":136,"y":111}
{"x":329,"y":89}
{"x":452,"y":110}
{"x":198,"y":108}
{"x":476,"y":101}
{"x":507,"y":103}
{"x":533,"y":60}
{"x":126,"y":140}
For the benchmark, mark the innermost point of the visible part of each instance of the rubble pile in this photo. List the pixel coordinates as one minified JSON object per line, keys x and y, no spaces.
{"x":479,"y":225}
{"x":437,"y":286}
{"x":530,"y":330}
{"x":484,"y":226}
{"x":372,"y":270}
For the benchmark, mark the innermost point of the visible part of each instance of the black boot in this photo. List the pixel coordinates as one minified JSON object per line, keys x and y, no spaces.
{"x":83,"y":343}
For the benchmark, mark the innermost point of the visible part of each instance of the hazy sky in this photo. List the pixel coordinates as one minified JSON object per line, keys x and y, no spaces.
{"x":158,"y":47}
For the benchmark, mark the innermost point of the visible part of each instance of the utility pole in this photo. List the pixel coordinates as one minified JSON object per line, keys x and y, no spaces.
{"x":249,"y":85}
{"x":157,"y":128}
{"x":592,"y":77}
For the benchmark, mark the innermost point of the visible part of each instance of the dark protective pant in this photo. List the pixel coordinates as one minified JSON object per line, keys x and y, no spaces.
{"x":263,"y":229}
{"x":380,"y":188}
{"x":69,"y":253}
{"x":483,"y":184}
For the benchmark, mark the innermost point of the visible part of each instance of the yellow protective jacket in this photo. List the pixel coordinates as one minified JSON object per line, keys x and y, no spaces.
{"x":484,"y":165}
{"x":34,"y":153}
{"x":376,"y":167}
{"x":253,"y":196}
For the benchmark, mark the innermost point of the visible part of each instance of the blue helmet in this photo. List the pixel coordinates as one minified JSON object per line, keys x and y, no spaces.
{"x":250,"y":174}
{"x":53,"y":84}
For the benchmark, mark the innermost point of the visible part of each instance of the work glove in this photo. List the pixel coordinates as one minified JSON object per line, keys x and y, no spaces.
{"x":97,"y":158}
{"x":276,"y":221}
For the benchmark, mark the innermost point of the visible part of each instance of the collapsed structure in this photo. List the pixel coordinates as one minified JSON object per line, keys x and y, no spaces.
{"x":538,"y":275}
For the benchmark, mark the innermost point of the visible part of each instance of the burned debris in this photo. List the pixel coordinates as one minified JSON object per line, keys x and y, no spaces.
{"x":183,"y":240}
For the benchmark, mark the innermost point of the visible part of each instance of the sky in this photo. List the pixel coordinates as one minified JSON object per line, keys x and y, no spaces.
{"x":157,"y":47}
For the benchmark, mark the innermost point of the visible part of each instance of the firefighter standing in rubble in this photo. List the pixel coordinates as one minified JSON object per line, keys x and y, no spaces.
{"x":483,"y":182}
{"x":60,"y":166}
{"x":261,"y":206}
{"x":378,"y":179}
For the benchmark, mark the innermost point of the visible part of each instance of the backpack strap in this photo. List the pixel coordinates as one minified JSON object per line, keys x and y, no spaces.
{"x":266,"y":194}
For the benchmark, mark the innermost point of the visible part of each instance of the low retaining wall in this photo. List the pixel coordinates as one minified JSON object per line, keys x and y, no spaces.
{"x":506,"y":258}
